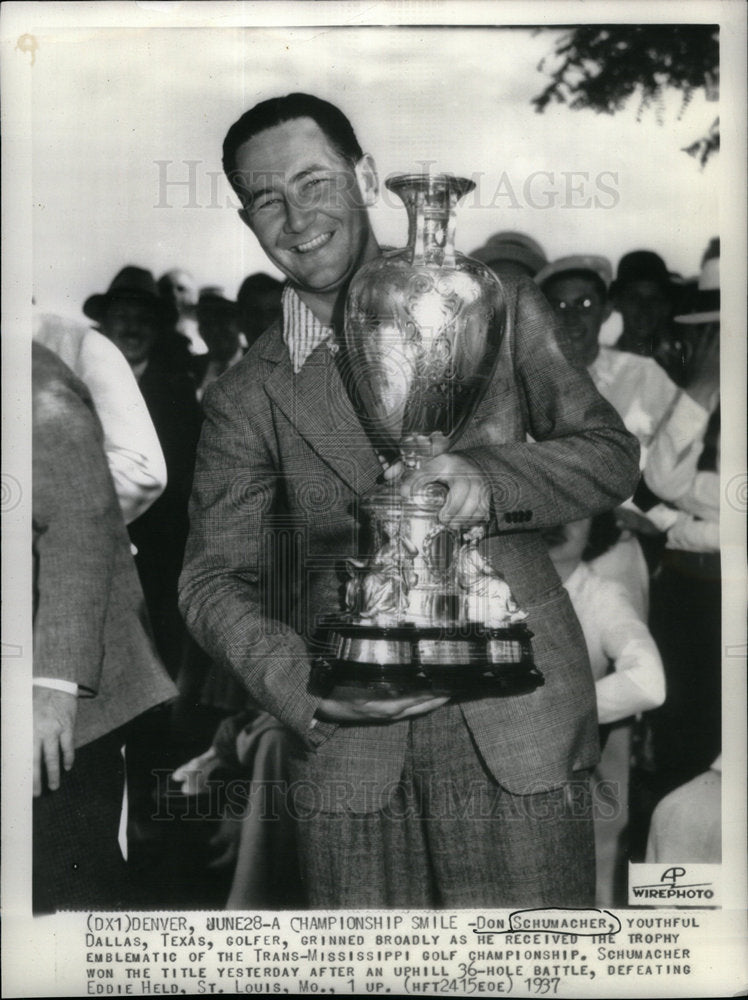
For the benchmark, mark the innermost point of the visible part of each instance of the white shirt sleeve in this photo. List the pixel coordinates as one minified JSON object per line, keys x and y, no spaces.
{"x":672,"y":473}
{"x":637,"y":683}
{"x":132,"y":448}
{"x":655,"y":396}
{"x":675,"y":449}
{"x":133,"y":452}
{"x":56,"y":684}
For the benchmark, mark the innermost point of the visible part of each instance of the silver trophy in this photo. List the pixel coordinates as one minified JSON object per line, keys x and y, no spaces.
{"x":424,"y":609}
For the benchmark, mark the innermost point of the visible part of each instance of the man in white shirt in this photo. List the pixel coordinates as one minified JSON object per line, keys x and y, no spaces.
{"x":636,"y":386}
{"x":134,"y":455}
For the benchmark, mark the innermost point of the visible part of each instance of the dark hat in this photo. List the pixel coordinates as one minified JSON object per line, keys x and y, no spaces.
{"x":213,"y":297}
{"x":703,"y":306}
{"x":131,"y":283}
{"x":512,"y":246}
{"x":256,"y":284}
{"x":641,"y":265}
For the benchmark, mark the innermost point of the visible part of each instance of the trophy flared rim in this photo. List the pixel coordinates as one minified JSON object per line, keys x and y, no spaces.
{"x":430,"y":182}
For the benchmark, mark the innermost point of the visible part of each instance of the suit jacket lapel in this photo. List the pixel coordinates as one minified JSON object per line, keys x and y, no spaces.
{"x":316,"y":402}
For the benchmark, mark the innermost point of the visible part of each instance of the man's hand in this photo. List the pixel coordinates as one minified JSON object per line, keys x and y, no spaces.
{"x":469,"y":498}
{"x":54,"y":724}
{"x":382,"y":711}
{"x":639,"y":523}
{"x":194,"y":776}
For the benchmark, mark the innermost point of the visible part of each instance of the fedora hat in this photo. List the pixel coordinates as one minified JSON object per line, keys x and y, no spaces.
{"x":512,"y":246}
{"x":130,"y":283}
{"x":599,"y":266}
{"x":705,"y":302}
{"x":641,"y":265}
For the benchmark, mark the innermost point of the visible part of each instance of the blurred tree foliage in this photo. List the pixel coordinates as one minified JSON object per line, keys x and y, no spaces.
{"x":602,"y":67}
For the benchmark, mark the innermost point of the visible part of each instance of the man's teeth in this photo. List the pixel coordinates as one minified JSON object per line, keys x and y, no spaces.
{"x":318,"y":241}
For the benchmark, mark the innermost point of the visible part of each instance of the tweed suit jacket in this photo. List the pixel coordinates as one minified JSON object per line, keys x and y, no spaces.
{"x":90,"y":625}
{"x":284,"y":453}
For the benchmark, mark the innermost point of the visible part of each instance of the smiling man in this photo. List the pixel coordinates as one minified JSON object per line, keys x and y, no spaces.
{"x":305,"y":200}
{"x":416,"y":801}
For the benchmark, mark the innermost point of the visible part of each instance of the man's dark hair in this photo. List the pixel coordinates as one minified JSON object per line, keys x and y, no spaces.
{"x":581,"y":272}
{"x":277,"y":110}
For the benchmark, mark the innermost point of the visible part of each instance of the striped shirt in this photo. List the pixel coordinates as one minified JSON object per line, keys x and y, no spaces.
{"x":302,"y":331}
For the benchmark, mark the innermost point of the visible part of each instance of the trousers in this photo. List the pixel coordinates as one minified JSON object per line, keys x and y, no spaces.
{"x":450,"y":836}
{"x":77,"y":863}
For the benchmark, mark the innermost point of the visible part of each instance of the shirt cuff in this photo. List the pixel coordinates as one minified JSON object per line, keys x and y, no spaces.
{"x":662,"y":517}
{"x":56,"y":684}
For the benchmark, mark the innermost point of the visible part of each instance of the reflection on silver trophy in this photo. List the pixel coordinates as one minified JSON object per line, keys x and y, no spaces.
{"x":423,"y":607}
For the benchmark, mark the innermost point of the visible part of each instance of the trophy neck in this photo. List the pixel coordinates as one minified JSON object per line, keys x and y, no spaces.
{"x":431,"y":201}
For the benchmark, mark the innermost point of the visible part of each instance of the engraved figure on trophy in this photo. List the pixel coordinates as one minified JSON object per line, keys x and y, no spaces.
{"x":352,"y":595}
{"x":485,"y":594}
{"x":388,"y":578}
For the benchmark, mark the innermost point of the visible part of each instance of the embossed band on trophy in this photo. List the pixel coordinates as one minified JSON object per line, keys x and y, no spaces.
{"x":424,"y":609}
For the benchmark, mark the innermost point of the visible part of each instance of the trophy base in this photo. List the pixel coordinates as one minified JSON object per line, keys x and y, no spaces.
{"x":394,"y":661}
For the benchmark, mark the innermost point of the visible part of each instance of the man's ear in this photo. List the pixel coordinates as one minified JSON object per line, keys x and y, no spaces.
{"x":368,"y":181}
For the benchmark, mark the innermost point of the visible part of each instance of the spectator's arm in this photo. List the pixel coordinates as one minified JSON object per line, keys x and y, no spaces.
{"x":637,"y":683}
{"x":132,"y":448}
{"x":675,"y":450}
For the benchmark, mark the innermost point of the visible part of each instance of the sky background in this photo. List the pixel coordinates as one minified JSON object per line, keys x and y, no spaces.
{"x":116,"y":112}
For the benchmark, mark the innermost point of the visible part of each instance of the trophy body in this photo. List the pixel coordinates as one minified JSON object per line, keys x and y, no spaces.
{"x":424,"y":609}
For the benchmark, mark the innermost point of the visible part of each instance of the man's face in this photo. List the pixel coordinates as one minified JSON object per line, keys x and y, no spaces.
{"x":645,"y":309}
{"x":581,"y":310}
{"x":132,"y":326}
{"x":305,"y":204}
{"x":183,"y":289}
{"x":219,"y":328}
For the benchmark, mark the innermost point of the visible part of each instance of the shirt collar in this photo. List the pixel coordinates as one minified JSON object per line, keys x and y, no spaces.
{"x":302,"y":331}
